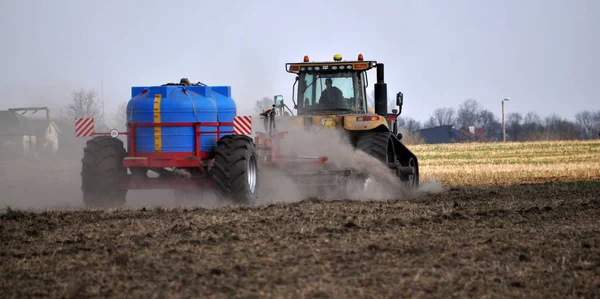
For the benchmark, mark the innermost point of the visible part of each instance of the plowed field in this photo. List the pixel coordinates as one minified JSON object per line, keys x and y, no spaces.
{"x":511,"y":220}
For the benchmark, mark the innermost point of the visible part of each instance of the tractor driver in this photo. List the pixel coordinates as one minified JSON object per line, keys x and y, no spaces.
{"x":331,"y":97}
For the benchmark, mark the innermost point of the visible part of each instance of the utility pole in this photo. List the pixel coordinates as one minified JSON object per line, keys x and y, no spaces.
{"x":503,"y":122}
{"x":102,"y":100}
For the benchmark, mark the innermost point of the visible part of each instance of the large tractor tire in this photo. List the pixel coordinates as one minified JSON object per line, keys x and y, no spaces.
{"x":101,"y":172}
{"x":380,"y":145}
{"x":235,"y":169}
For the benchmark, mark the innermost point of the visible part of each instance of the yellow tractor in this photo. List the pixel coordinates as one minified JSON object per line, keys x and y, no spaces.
{"x":333,"y":94}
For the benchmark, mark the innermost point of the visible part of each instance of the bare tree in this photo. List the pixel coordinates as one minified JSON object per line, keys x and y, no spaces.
{"x":401,"y":122}
{"x":411,"y":124}
{"x":597,"y":120}
{"x":514,"y":124}
{"x":443,"y":116}
{"x":558,"y":128}
{"x":491,"y":126}
{"x":85,"y":103}
{"x":468,"y":113}
{"x":532,"y":126}
{"x":588,"y":123}
{"x":552,"y":121}
{"x":408,"y":126}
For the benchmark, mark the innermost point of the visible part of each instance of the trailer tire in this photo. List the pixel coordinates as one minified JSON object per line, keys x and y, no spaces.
{"x":235,"y":169}
{"x":101,"y":172}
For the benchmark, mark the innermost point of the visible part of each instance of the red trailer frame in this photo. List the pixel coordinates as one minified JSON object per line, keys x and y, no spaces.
{"x":157,"y":161}
{"x":172,"y":159}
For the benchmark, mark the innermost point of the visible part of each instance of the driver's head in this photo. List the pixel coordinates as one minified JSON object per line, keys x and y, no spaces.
{"x":328,"y":82}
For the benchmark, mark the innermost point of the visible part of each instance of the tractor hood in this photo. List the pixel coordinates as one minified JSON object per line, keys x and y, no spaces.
{"x":347,"y":121}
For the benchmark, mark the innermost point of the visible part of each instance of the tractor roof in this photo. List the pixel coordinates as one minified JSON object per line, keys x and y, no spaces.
{"x":330,"y":66}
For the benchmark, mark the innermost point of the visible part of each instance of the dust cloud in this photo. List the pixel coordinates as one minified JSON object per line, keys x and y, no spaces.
{"x":53,"y":182}
{"x":29,"y":183}
{"x":381,"y":183}
{"x":432,"y":186}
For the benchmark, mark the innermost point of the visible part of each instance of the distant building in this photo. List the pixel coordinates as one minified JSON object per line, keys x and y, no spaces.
{"x":13,"y":125}
{"x":27,"y":136}
{"x":478,"y":133}
{"x":16,"y":135}
{"x":448,"y":134}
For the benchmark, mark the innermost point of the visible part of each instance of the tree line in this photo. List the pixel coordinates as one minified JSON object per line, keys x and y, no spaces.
{"x":519,"y":127}
{"x":86,"y":103}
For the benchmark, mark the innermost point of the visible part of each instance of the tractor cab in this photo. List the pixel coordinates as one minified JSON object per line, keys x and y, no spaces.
{"x":332,"y":95}
{"x":338,"y":90}
{"x":331,"y":87}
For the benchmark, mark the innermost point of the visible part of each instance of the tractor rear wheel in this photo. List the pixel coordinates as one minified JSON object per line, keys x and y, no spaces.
{"x":378,"y":145}
{"x":235,"y":169}
{"x":381,"y":146}
{"x":101,"y":171}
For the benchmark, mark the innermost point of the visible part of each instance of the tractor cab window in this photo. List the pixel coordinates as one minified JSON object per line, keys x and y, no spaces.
{"x":306,"y":98}
{"x":331,"y":92}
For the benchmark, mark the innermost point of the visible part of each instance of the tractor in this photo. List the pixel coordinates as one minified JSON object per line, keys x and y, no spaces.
{"x":333,"y":95}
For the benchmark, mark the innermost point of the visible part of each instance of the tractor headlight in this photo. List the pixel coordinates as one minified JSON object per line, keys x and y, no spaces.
{"x":328,"y":122}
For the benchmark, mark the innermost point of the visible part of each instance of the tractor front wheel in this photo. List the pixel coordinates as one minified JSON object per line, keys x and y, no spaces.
{"x":101,"y":172}
{"x":235,"y":169}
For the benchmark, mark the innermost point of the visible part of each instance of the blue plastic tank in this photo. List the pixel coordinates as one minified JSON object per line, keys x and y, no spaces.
{"x":169,"y":104}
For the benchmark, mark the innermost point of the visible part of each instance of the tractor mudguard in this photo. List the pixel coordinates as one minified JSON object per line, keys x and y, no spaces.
{"x":402,"y":151}
{"x":407,"y":159}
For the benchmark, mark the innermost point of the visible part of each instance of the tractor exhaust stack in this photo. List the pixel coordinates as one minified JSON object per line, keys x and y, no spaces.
{"x":380,"y":92}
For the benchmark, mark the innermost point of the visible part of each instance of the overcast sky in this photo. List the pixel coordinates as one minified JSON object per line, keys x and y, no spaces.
{"x":543,"y":54}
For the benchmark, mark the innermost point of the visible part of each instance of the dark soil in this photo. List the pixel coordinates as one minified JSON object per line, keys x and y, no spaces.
{"x":540,"y":240}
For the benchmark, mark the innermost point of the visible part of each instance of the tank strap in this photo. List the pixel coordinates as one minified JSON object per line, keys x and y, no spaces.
{"x":193,"y":106}
{"x":215,"y":100}
{"x":133,"y":103}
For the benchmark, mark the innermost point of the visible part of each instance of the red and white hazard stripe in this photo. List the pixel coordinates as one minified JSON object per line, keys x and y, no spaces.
{"x":84,"y":127}
{"x":242,"y":125}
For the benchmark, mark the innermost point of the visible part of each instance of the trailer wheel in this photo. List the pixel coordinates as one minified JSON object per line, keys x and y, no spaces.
{"x":101,"y":171}
{"x":235,"y":169}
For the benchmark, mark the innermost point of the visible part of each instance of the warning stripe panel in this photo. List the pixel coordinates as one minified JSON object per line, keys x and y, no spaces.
{"x":84,"y":127}
{"x":242,"y":125}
